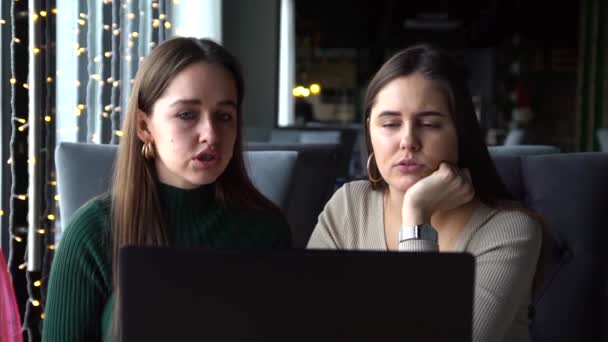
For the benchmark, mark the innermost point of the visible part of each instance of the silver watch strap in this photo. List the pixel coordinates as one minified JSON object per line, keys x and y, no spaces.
{"x":420,"y":232}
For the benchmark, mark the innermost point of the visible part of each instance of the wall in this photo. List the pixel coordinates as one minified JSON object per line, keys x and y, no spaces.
{"x":250,"y":30}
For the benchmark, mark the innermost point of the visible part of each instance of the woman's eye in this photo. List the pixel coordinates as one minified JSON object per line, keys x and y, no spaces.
{"x":186,"y":115}
{"x":430,"y":124}
{"x":224,"y":116}
{"x":390,"y":124}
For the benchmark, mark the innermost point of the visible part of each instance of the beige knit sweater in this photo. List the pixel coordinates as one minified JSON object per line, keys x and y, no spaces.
{"x":505,"y":244}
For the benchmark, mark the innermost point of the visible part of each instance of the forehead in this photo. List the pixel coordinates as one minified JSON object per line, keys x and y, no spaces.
{"x":202,"y":80}
{"x":410,"y":94}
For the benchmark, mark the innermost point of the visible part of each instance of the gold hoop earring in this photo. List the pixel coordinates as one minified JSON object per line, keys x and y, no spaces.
{"x":369,"y":174}
{"x":147,"y":150}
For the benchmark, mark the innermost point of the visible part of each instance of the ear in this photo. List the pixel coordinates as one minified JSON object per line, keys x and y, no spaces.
{"x":142,"y":123}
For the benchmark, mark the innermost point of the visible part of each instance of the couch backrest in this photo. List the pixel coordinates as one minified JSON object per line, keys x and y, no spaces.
{"x":85,"y":170}
{"x":569,"y":190}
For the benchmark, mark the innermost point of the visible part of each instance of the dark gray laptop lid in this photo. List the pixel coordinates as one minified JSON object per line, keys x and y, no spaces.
{"x":299,"y":295}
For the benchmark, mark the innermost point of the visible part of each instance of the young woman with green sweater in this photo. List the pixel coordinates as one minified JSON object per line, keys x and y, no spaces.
{"x":179,"y":180}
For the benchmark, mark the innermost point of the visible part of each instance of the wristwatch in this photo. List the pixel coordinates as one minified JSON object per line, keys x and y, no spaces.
{"x":419,"y":232}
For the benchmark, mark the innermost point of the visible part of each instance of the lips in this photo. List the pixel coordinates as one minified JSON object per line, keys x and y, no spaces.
{"x":206,"y":159}
{"x":409,"y":166}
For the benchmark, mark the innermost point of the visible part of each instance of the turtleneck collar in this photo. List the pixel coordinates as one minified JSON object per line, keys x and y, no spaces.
{"x":177,"y":199}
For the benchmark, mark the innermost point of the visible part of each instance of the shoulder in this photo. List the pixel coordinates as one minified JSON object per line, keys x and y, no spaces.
{"x":89,"y":224}
{"x":513,"y":227}
{"x":355,"y":194}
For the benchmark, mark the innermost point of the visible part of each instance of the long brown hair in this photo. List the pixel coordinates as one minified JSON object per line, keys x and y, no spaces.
{"x":437,"y":65}
{"x":137,"y":216}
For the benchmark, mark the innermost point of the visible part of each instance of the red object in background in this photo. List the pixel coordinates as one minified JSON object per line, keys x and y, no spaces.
{"x":10,"y":321}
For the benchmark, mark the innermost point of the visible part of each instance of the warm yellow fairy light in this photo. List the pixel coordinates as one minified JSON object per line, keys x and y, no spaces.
{"x":42,"y":316}
{"x":51,"y":247}
{"x":51,"y":217}
{"x":2,"y":21}
{"x":107,"y":54}
{"x":17,"y":40}
{"x":107,"y":108}
{"x":115,"y":84}
{"x":53,"y":183}
{"x":162,"y":16}
{"x":81,"y":106}
{"x":97,"y":59}
{"x":26,"y":86}
{"x":96,"y":77}
{"x":82,"y":22}
{"x":134,"y":34}
{"x":105,"y":114}
{"x":22,"y":128}
{"x":9,"y":161}
{"x":83,"y":15}
{"x":56,"y":197}
{"x":47,"y":118}
{"x":119,"y":133}
{"x":41,"y":231}
{"x":43,"y":13}
{"x":155,"y":23}
{"x":22,"y":266}
{"x":132,"y":16}
{"x":37,"y":283}
{"x":154,"y":5}
{"x":35,"y":17}
{"x":130,"y":43}
{"x":167,"y":25}
{"x":33,"y":161}
{"x":20,"y":120}
{"x":49,"y":79}
{"x":116,"y":32}
{"x":77,"y":83}
{"x":36,"y":51}
{"x":22,"y":197}
{"x":1,"y":212}
{"x":13,"y":80}
{"x":54,"y":10}
{"x":106,"y":27}
{"x":35,"y":302}
{"x":78,"y":112}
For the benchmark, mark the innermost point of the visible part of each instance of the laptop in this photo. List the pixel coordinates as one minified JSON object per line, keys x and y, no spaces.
{"x":170,"y":294}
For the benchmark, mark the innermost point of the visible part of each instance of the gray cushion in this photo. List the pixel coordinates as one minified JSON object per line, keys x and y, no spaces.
{"x":569,"y":191}
{"x":85,"y":170}
{"x":523,"y":150}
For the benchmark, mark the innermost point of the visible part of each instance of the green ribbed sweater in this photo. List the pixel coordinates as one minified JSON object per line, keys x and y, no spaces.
{"x":80,"y":296}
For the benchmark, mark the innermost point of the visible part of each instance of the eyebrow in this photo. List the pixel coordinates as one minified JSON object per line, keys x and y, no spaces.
{"x":199,"y":102}
{"x":419,"y":114}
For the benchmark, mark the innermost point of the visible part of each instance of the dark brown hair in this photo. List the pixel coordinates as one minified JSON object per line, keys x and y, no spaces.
{"x":137,"y":217}
{"x":437,"y":65}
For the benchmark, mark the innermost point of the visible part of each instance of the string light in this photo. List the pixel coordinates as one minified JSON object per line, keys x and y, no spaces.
{"x":43,"y":13}
{"x":83,"y":15}
{"x":51,"y":217}
{"x":51,"y":247}
{"x":21,"y":266}
{"x":35,"y":18}
{"x":47,"y":118}
{"x":35,"y":302}
{"x":1,"y":212}
{"x":2,"y":21}
{"x":49,"y":79}
{"x":154,"y":5}
{"x":41,"y":231}
{"x":135,"y":34}
{"x":132,"y":16}
{"x":21,"y":197}
{"x":13,"y":81}
{"x":36,"y":51}
{"x":130,"y":43}
{"x":116,"y":32}
{"x":54,"y":10}
{"x":155,"y":23}
{"x":119,"y":133}
{"x":42,"y":316}
{"x":9,"y":161}
{"x":56,"y":197}
{"x":162,"y":16}
{"x":17,"y":40}
{"x":115,"y":84}
{"x":53,"y":183}
{"x":167,"y":25}
{"x":107,"y":54}
{"x":106,"y":27}
{"x":18,"y":239}
{"x":20,"y":120}
{"x":82,"y":22}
